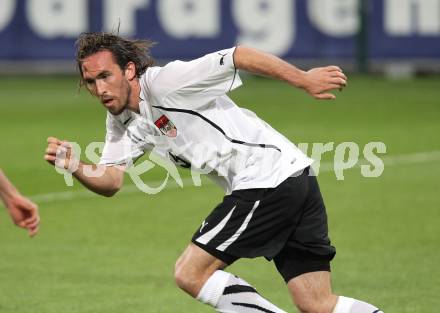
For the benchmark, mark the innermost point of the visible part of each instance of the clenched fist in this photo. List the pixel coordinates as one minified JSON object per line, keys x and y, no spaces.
{"x":61,"y":154}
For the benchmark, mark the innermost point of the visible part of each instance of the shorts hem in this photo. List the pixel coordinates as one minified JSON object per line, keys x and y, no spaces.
{"x":290,"y":269}
{"x":222,"y":256}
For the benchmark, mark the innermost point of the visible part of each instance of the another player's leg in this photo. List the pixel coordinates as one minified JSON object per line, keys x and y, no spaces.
{"x":311,"y":293}
{"x":200,"y":274}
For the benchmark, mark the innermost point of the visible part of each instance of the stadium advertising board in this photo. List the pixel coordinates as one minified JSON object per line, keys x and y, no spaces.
{"x":46,"y":29}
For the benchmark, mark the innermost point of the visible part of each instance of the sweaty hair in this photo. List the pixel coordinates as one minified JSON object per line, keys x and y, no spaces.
{"x":123,"y":50}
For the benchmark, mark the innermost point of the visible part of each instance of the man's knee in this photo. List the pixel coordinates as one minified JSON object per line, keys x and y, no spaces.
{"x":193,"y":269}
{"x":184,"y":275}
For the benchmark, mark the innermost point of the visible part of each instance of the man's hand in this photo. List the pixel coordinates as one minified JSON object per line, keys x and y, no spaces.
{"x":319,"y":81}
{"x":24,"y":213}
{"x":60,"y":154}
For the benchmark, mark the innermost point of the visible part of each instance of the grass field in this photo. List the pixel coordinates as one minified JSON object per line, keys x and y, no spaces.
{"x":115,"y":255}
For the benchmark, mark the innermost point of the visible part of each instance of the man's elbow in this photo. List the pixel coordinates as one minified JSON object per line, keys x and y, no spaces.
{"x":116,"y":186}
{"x":110,"y":192}
{"x":116,"y":183}
{"x":111,"y":189}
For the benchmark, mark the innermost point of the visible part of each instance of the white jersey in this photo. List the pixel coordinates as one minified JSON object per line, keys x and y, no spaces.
{"x":186,"y":117}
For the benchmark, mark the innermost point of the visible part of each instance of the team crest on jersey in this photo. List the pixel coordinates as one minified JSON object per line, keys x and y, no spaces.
{"x":166,"y":127}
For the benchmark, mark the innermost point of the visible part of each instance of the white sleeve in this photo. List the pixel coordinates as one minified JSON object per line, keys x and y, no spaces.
{"x":119,"y":148}
{"x":210,"y":76}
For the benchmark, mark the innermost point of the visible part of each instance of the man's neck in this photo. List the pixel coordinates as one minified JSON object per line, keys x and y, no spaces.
{"x":134,"y":97}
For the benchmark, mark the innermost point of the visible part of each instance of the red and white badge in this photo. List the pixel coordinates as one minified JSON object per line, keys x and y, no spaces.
{"x":166,"y":127}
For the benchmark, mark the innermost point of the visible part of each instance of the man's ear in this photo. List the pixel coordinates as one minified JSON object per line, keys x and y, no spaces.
{"x":130,"y":71}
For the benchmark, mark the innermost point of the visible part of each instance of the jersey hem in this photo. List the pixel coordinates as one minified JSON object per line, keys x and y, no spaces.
{"x":264,"y":184}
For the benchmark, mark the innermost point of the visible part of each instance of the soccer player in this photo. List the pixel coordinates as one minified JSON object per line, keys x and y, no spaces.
{"x":272,"y":207}
{"x":23,"y":212}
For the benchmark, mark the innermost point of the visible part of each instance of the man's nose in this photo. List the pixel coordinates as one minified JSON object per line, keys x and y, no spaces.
{"x":100,"y":88}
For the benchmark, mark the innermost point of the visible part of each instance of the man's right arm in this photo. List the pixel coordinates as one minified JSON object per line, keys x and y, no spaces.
{"x":107,"y":183}
{"x":318,"y":82}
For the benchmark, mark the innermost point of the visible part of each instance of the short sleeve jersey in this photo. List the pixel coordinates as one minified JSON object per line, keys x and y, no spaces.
{"x":187,"y":117}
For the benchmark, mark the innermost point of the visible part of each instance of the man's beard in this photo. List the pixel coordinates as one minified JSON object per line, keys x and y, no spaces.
{"x":126,"y":101}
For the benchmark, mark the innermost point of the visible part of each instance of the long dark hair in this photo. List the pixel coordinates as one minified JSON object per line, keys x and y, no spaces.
{"x":123,"y":50}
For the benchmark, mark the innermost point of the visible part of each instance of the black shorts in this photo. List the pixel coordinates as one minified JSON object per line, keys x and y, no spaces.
{"x":287,"y":223}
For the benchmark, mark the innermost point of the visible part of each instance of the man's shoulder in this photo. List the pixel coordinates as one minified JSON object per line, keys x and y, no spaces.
{"x":147,"y":80}
{"x":150,"y":74}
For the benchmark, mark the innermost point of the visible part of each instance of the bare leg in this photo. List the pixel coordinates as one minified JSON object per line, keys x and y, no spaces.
{"x":194,"y":267}
{"x":199,"y":274}
{"x":311,"y":293}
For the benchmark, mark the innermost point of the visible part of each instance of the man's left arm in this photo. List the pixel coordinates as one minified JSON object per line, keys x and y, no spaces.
{"x":318,"y":82}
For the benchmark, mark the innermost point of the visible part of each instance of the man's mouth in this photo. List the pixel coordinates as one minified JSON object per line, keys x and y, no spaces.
{"x":106,"y":101}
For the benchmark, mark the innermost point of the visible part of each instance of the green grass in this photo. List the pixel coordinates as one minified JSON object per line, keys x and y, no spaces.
{"x":117,"y":255}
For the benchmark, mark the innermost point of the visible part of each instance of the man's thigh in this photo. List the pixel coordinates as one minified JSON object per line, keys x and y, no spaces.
{"x":309,"y":248}
{"x":195,"y":259}
{"x":254,"y":222}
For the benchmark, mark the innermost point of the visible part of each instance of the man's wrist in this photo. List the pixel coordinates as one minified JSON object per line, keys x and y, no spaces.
{"x":298,"y":78}
{"x":74,"y":165}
